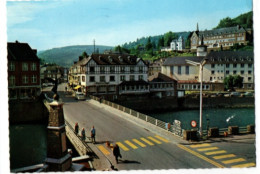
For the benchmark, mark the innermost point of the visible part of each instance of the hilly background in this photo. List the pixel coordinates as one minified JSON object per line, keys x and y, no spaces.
{"x":65,"y":56}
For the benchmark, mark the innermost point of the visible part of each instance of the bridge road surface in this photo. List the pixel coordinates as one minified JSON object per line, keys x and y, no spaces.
{"x":140,"y":148}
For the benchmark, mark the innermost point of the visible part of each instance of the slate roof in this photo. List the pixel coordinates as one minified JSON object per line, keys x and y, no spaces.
{"x":230,"y":57}
{"x":159,"y":77}
{"x":221,"y":31}
{"x":115,"y":59}
{"x":21,"y":51}
{"x":181,"y":60}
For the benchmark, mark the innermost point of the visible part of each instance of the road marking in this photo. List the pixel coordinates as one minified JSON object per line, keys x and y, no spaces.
{"x":103,"y":150}
{"x":201,"y":156}
{"x":139,"y":143}
{"x":131,"y":144}
{"x":154,"y":140}
{"x":199,"y":145}
{"x":244,"y":165}
{"x":224,"y":156}
{"x":207,"y":149}
{"x":215,"y":152}
{"x":148,"y":142}
{"x":161,"y":138}
{"x":233,"y":161}
{"x":122,"y":146}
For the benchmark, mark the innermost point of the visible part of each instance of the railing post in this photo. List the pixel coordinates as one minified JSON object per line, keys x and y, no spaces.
{"x":156,"y":123}
{"x":124,"y":109}
{"x":137,"y":114}
{"x":146,"y":118}
{"x":130,"y":111}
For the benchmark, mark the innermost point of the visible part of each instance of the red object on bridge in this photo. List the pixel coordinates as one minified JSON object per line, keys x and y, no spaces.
{"x":193,"y":123}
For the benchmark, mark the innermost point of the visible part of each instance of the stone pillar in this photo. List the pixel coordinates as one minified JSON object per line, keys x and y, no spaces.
{"x":58,"y":158}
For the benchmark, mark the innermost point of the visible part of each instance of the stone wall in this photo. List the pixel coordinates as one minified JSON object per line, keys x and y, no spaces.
{"x":27,"y":111}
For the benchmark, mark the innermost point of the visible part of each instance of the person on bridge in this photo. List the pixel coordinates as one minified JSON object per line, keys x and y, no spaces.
{"x":93,"y":134}
{"x":77,"y":128}
{"x":83,"y":136}
{"x":116,"y":152}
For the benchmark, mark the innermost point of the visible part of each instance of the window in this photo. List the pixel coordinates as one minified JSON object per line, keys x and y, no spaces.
{"x":132,"y":77}
{"x":112,"y":69}
{"x":12,"y":93}
{"x":171,"y":69}
{"x":234,"y":65}
{"x":112,"y":78}
{"x":212,"y":72}
{"x":227,"y":65}
{"x":249,"y":72}
{"x":83,"y":78}
{"x":212,"y":65}
{"x":11,"y":81}
{"x":122,"y":69}
{"x":92,"y":69}
{"x":250,"y":65}
{"x":249,"y":78}
{"x":33,"y":67}
{"x":140,"y":77}
{"x":34,"y":79}
{"x":122,"y":78}
{"x":234,"y":72}
{"x":179,"y":69}
{"x":102,"y":79}
{"x":242,"y":65}
{"x":132,"y":69}
{"x":242,"y":72}
{"x":227,"y":72}
{"x":11,"y":66}
{"x":102,"y":69}
{"x":25,"y":79}
{"x":25,"y":66}
{"x":140,"y":69}
{"x":92,"y":78}
{"x":187,"y":70}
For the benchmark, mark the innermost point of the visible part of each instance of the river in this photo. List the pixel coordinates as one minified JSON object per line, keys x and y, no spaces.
{"x":217,"y":117}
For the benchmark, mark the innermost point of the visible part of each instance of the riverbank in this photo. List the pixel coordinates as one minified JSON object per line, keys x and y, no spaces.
{"x":148,"y":105}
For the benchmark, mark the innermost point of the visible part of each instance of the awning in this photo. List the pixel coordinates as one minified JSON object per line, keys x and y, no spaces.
{"x":77,"y":87}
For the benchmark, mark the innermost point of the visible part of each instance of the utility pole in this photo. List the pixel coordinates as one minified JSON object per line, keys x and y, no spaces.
{"x":94,"y":46}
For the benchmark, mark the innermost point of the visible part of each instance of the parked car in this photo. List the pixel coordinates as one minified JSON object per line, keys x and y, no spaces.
{"x":80,"y":96}
{"x":237,"y":94}
{"x":248,"y":94}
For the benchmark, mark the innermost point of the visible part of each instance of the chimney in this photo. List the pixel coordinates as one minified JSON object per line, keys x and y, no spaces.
{"x":16,"y":41}
{"x":80,"y":58}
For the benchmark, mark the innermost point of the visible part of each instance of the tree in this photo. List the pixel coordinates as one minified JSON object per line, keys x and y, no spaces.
{"x":226,"y":22}
{"x":160,"y":42}
{"x":233,"y":81}
{"x":84,"y":54}
{"x":168,"y":37}
{"x":118,"y":49}
{"x":149,"y":44}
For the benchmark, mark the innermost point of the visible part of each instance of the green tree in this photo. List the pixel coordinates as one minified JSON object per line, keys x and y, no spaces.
{"x":161,"y":42}
{"x":149,"y":44}
{"x":226,"y":22}
{"x":168,"y":37}
{"x":84,"y":54}
{"x":238,"y":81}
{"x":118,"y":49}
{"x":233,"y":81}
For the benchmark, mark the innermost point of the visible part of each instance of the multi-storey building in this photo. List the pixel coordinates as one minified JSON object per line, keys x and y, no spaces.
{"x":51,"y":71}
{"x":218,"y":66}
{"x":222,"y":37}
{"x":23,"y":71}
{"x":175,"y":45}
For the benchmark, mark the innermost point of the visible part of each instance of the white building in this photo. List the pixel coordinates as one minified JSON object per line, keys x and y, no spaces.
{"x":175,"y":45}
{"x":219,"y":65}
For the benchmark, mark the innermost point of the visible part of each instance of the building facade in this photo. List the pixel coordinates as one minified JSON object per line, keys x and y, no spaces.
{"x":175,"y":45}
{"x":23,"y":71}
{"x":218,"y":66}
{"x":223,"y":37}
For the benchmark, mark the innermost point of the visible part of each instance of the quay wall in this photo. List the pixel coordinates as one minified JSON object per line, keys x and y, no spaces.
{"x":188,"y":102}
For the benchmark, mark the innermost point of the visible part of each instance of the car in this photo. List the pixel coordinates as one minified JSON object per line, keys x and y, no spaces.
{"x":237,"y":94}
{"x":248,"y":94}
{"x":80,"y":96}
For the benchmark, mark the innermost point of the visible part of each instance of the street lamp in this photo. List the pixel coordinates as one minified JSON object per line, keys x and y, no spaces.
{"x":200,"y":64}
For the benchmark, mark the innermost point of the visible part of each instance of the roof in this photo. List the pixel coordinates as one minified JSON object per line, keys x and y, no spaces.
{"x":159,"y":77}
{"x":181,"y":60}
{"x":129,"y":83}
{"x":115,"y":59}
{"x":220,"y":31}
{"x":230,"y":56}
{"x":21,"y":51}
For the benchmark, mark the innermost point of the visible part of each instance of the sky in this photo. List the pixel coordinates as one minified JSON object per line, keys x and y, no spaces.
{"x":46,"y":24}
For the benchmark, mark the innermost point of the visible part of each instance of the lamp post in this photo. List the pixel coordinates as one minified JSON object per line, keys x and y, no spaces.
{"x":200,"y":64}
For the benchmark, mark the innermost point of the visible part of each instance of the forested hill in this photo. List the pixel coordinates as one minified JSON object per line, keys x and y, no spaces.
{"x":65,"y":56}
{"x":245,"y":20}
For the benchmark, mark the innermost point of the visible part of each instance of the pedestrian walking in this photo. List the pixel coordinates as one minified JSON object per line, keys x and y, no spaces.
{"x":83,"y":135}
{"x":93,"y":134}
{"x":116,"y":152}
{"x":76,"y":128}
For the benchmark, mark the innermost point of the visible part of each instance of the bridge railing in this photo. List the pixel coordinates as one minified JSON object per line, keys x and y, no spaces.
{"x":161,"y":124}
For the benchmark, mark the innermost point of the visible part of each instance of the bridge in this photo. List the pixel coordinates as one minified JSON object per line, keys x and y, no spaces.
{"x":145,"y":142}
